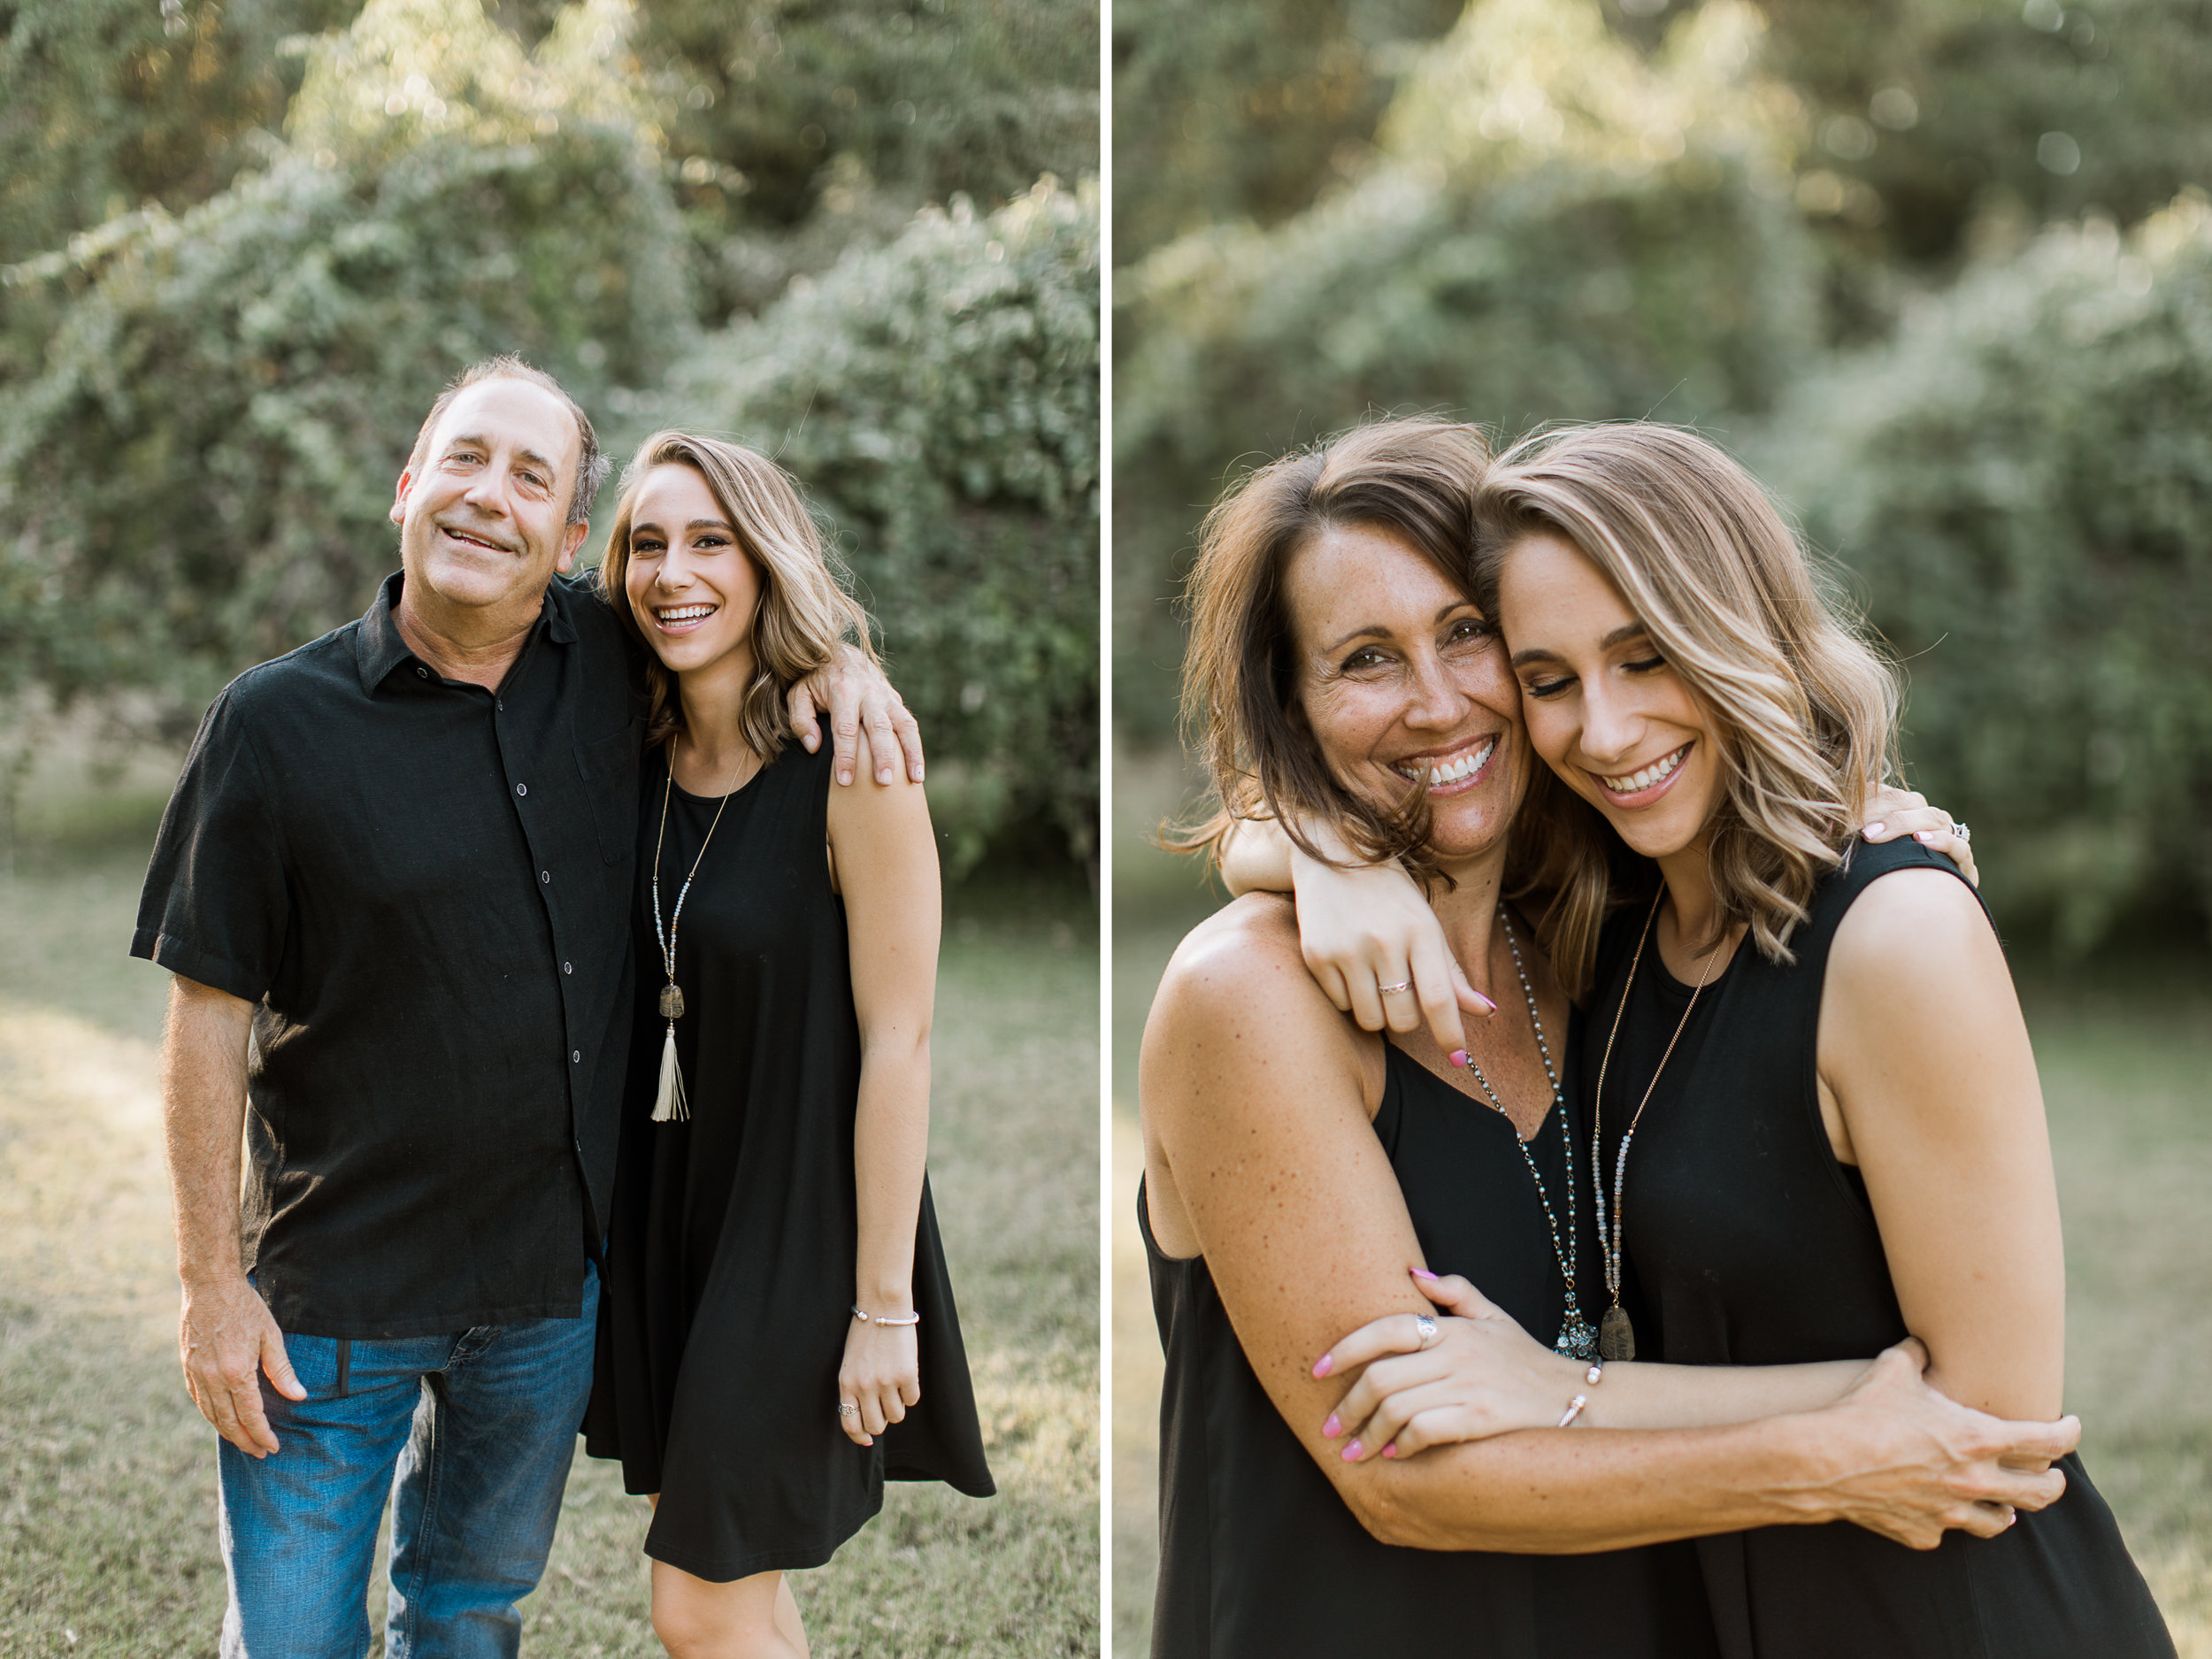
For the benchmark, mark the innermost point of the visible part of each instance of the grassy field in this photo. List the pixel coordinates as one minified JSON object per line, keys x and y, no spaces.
{"x":2125,"y":1053}
{"x":107,"y":1509}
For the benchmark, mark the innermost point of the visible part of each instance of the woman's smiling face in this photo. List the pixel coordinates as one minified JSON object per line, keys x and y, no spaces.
{"x":691,"y":586}
{"x":1402,"y":681}
{"x":1604,"y":709}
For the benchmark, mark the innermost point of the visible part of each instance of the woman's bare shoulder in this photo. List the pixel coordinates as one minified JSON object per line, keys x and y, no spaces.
{"x":1913,"y":927}
{"x":1237,"y":980}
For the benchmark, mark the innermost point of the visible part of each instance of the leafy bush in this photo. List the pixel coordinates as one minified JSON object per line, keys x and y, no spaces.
{"x":1558,"y":228}
{"x":199,"y":477}
{"x":2021,"y":483}
{"x":939,"y":398}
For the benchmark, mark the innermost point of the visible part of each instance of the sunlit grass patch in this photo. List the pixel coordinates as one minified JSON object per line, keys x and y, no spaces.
{"x":107,"y":1510}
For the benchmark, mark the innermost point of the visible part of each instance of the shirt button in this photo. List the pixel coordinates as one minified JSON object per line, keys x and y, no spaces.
{"x":522,"y":789}
{"x":545,"y":875}
{"x":422,"y":673}
{"x":568,"y":968}
{"x":575,"y":1056}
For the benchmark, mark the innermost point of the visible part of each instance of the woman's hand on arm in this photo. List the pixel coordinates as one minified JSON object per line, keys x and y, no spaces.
{"x":1360,"y":928}
{"x":884,"y":861}
{"x":1928,"y":1084}
{"x":1892,"y":813}
{"x":1484,"y":1375}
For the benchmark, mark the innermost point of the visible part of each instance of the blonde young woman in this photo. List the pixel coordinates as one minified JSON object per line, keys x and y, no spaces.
{"x":777,"y":1334}
{"x":1816,"y":1124}
{"x":1301,"y":1175}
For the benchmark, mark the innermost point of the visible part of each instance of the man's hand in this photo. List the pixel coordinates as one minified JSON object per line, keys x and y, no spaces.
{"x":855,"y":693}
{"x":226,"y":1338}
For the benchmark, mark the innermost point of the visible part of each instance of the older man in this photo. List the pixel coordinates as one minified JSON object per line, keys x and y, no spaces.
{"x":393,"y":887}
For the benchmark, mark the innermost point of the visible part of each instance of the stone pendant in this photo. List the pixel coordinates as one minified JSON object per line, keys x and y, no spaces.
{"x":1577,"y":1340}
{"x":671,"y":1001}
{"x":1616,"y":1340}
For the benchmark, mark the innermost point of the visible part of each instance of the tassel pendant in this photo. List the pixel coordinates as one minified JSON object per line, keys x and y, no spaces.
{"x":1617,"y":1338}
{"x":668,"y":1103}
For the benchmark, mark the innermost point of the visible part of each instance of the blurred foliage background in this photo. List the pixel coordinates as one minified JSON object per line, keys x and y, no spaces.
{"x":244,"y":242}
{"x":1940,"y":270}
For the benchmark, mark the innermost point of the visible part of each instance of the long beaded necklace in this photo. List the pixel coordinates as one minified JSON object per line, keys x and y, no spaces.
{"x":668,"y":1101}
{"x":1577,"y":1340}
{"x":1617,"y":1337}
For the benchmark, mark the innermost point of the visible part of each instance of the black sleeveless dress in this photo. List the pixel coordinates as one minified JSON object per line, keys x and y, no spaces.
{"x":1260,"y":1559}
{"x":731,"y":1258}
{"x":1753,"y":1246}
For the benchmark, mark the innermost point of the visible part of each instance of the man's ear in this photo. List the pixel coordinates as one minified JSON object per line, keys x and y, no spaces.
{"x":399,"y":498}
{"x":570,"y":541}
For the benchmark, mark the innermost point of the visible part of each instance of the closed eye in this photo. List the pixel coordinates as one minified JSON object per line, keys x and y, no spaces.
{"x":1542,"y":689}
{"x":1646,"y":665}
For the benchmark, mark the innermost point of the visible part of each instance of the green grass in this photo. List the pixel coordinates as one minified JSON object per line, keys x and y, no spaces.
{"x":2125,"y":1052}
{"x":107,"y":1513}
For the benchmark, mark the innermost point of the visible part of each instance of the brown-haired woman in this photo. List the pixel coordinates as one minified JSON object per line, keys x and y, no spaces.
{"x":1817,"y":1124}
{"x":1301,"y":1173}
{"x":777,"y":1335}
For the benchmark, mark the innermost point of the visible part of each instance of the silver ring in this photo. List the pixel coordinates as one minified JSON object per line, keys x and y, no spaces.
{"x":1393,"y":990}
{"x":847,"y":1410}
{"x":1961,"y":831}
{"x":1426,"y":1326}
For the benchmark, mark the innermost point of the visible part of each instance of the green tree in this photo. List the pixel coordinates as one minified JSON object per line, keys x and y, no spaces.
{"x":2020,"y":483}
{"x":795,"y":126}
{"x":939,"y":399}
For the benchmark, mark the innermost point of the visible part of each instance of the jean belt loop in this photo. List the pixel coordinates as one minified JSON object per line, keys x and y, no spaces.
{"x":345,"y":1365}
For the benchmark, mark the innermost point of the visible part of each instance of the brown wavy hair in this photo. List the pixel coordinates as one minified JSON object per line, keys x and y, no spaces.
{"x":1415,"y":478}
{"x":1801,"y":709}
{"x":803,"y":611}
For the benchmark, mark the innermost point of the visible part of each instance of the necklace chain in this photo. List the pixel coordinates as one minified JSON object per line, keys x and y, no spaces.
{"x":667,"y":940}
{"x":1615,"y":1337}
{"x":1577,"y":1340}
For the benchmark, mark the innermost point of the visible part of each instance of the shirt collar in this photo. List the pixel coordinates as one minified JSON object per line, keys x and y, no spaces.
{"x":377,"y":648}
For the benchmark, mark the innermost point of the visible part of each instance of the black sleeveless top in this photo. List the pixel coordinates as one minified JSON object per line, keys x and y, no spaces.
{"x":1260,"y":1559}
{"x":1753,"y":1246}
{"x":731,"y":1260}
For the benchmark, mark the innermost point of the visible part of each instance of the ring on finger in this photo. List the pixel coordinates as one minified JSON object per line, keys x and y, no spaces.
{"x":1393,"y":990}
{"x":847,"y":1410}
{"x":1962,"y":833}
{"x":1426,"y":1326}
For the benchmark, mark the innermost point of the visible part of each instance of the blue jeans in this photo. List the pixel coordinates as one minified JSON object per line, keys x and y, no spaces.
{"x":470,"y":1436}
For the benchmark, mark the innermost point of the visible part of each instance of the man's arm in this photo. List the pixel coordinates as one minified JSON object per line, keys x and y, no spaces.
{"x":854,"y":690}
{"x":225,"y":1335}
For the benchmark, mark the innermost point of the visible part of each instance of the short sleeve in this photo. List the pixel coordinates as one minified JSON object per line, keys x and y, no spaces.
{"x":214,"y":908}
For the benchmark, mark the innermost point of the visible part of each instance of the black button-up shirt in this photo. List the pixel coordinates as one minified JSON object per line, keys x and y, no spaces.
{"x":424,"y":888}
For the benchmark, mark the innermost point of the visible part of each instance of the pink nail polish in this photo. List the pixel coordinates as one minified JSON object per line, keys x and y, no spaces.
{"x":1391,"y":1450}
{"x":1875,"y":829}
{"x":1458,"y":1056}
{"x":1489,"y":1007}
{"x":1351,"y":1453}
{"x":1420,"y":1272}
{"x":1331,"y":1428}
{"x":1323,"y":1366}
{"x":1926,"y":836}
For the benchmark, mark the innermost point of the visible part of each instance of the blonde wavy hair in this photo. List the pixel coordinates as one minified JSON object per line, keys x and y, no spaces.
{"x":1415,"y":477}
{"x":803,"y":611}
{"x":1801,"y":709}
